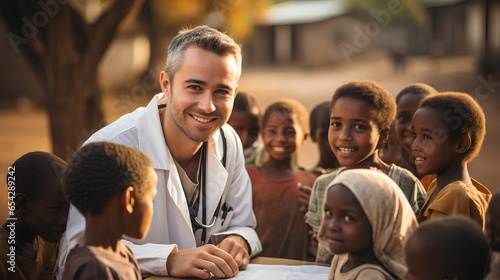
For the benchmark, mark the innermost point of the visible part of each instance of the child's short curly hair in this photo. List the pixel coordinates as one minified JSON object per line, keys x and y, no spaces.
{"x":34,"y":170}
{"x":463,"y":116}
{"x":246,"y":102}
{"x":289,"y":106}
{"x":101,"y":170}
{"x":416,"y":88}
{"x":319,"y":112}
{"x":378,"y":98}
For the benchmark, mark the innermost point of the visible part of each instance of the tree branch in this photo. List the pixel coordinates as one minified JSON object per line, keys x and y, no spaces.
{"x":22,"y":34}
{"x":110,"y":24}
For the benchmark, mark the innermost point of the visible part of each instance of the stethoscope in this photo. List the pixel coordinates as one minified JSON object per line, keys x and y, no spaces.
{"x":195,"y":221}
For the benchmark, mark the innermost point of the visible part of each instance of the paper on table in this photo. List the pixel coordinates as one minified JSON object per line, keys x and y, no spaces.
{"x":278,"y":272}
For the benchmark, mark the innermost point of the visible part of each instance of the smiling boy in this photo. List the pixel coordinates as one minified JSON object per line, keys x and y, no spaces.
{"x":448,"y":131}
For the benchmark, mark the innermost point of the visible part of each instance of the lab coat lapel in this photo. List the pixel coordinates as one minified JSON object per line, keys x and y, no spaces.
{"x":152,"y":143}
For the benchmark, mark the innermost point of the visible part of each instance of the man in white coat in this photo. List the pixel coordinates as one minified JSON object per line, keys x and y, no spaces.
{"x":204,"y":192}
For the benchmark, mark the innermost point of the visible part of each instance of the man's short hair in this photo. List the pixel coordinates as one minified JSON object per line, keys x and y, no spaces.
{"x":462,"y":115}
{"x":33,"y":170}
{"x":379,"y":100}
{"x":101,"y":170}
{"x":205,"y":38}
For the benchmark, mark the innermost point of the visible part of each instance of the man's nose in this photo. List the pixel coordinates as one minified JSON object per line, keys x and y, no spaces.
{"x":206,"y":102}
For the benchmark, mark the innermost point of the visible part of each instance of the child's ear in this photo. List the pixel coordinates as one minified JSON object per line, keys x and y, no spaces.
{"x":384,"y":136}
{"x":128,"y":200}
{"x":464,"y":143}
{"x":305,"y":137}
{"x":21,"y":200}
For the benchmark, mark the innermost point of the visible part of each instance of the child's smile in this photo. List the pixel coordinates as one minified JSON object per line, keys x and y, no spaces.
{"x":353,"y":135}
{"x":282,"y":135}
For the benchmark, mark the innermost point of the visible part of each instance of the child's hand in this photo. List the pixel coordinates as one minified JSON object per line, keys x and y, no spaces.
{"x":304,"y":195}
{"x":376,"y":169}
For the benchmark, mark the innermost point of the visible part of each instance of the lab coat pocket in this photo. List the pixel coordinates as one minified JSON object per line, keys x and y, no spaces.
{"x":223,"y":220}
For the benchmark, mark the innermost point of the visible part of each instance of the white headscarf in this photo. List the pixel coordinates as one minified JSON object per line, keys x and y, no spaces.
{"x":386,"y":207}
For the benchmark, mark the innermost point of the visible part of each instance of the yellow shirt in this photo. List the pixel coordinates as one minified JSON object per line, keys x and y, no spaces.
{"x":457,"y":198}
{"x":42,"y":268}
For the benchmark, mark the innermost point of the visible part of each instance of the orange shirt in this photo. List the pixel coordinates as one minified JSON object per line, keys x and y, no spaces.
{"x":280,"y":225}
{"x":457,"y":199}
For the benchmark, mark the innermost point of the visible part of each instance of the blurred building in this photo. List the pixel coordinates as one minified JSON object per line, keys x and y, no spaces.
{"x":316,"y":33}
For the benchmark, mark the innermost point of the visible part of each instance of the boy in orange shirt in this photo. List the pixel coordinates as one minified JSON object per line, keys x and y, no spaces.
{"x":448,"y":130}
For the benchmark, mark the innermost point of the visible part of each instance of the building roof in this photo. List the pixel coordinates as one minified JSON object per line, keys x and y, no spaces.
{"x":439,"y":3}
{"x":296,"y":12}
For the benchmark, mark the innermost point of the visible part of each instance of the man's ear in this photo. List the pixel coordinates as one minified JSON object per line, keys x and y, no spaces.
{"x":463,"y":144}
{"x":21,"y":200}
{"x":128,"y":200}
{"x":165,"y":83}
{"x":384,"y":136}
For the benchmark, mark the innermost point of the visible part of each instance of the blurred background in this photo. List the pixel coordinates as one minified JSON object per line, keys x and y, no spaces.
{"x":70,"y":67}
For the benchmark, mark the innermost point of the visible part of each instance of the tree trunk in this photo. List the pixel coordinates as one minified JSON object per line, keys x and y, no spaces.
{"x":73,"y":97}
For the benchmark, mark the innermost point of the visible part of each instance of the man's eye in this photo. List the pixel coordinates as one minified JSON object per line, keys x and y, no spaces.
{"x":194,"y":87}
{"x":427,"y":137}
{"x":223,"y":91}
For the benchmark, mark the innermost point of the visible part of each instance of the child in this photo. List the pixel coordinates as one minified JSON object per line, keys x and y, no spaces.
{"x":492,"y":232}
{"x":447,"y":248}
{"x":113,"y":186}
{"x":390,"y":152}
{"x":448,"y":130}
{"x":367,"y":220}
{"x":320,"y":123}
{"x":361,"y":113}
{"x":38,"y":217}
{"x":280,"y":224}
{"x":245,"y":121}
{"x":407,"y":102}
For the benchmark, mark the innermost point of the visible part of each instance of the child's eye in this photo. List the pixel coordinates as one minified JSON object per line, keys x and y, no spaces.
{"x":359,"y":126}
{"x":290,"y":132}
{"x":270,"y":131}
{"x":348,"y":218}
{"x":328,"y":213}
{"x":403,"y":119}
{"x":336,"y":124}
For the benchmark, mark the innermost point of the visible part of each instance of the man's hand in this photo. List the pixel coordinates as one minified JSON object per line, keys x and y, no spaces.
{"x":304,"y":196}
{"x":237,"y":247}
{"x":200,"y":262}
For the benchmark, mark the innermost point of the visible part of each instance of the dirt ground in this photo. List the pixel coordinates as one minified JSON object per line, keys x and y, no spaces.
{"x":25,"y":127}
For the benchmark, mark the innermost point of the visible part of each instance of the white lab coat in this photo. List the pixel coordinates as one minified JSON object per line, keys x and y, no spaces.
{"x":171,"y":224}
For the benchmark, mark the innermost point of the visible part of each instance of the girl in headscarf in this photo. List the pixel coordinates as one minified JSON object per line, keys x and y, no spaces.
{"x":367,"y":220}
